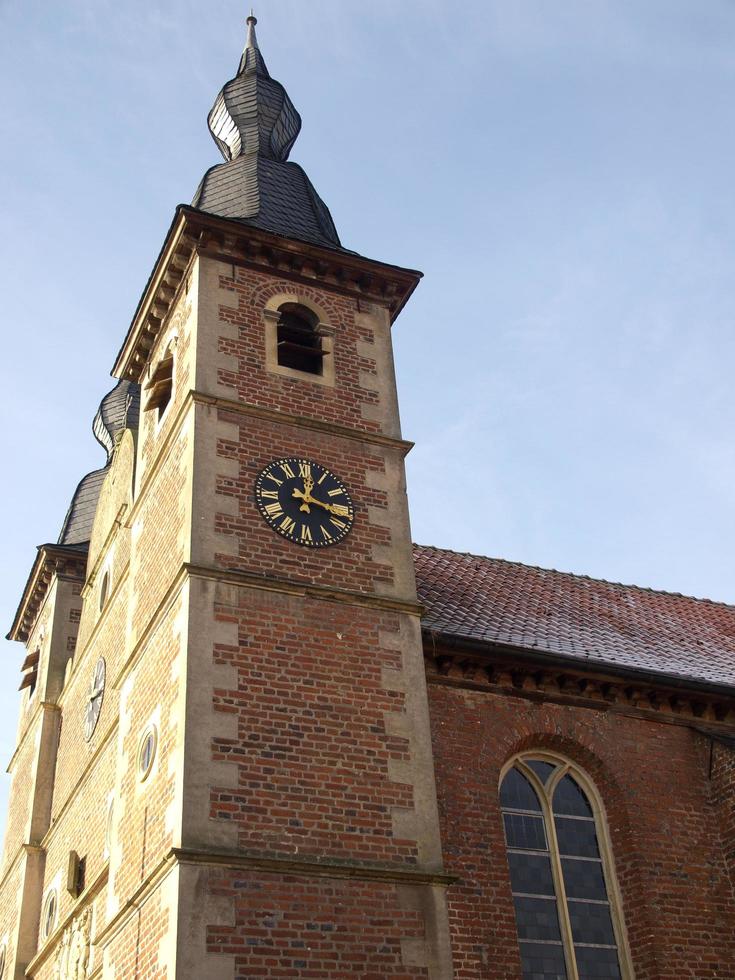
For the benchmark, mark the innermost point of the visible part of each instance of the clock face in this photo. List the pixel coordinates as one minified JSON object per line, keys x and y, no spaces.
{"x":94,"y":699}
{"x":304,"y":502}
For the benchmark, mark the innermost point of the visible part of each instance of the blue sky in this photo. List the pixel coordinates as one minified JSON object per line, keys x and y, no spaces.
{"x":561,"y":170}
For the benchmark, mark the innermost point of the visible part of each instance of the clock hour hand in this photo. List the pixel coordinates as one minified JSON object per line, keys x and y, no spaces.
{"x":305,"y":495}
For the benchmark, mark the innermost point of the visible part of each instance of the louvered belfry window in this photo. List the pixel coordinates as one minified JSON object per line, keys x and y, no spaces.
{"x":299,"y":343}
{"x":560,"y":872}
{"x":160,"y":386}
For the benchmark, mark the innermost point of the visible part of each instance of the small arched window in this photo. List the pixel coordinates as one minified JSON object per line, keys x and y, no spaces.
{"x":562,"y":879}
{"x":299,"y":342}
{"x":104,"y":589}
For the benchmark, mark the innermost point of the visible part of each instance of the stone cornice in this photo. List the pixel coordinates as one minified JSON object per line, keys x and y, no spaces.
{"x":61,"y":561}
{"x":268,"y":583}
{"x":194,"y":232}
{"x":323,"y":868}
{"x":303,"y":422}
{"x":266,"y":864}
{"x":499,"y":672}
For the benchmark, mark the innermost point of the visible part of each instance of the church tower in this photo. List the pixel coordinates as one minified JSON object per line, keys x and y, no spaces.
{"x":224,"y":764}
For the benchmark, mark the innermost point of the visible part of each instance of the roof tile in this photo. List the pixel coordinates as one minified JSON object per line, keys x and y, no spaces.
{"x":488,"y":600}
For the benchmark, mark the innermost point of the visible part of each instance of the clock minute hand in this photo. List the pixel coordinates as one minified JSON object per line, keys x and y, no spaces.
{"x":329,"y":507}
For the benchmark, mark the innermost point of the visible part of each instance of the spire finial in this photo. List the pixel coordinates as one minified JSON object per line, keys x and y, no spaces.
{"x":252,"y":41}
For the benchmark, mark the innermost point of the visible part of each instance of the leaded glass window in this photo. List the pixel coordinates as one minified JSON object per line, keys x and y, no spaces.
{"x":561,"y":875}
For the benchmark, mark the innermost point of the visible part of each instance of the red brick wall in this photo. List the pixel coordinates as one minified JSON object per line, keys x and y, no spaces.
{"x":723,"y":794}
{"x":312,"y":750}
{"x":341,"y":404}
{"x":653,"y":780}
{"x":326,"y":929}
{"x":135,"y":952}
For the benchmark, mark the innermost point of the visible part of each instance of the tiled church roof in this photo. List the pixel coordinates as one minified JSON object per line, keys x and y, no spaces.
{"x":622,"y":627}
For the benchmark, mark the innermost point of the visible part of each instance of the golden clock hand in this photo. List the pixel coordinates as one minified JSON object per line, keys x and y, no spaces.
{"x":329,"y":507}
{"x":306,"y":497}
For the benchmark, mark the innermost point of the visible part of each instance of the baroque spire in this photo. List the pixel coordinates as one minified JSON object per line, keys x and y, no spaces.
{"x":255,"y":125}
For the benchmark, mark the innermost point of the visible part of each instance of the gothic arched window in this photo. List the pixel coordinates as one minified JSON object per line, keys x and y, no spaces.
{"x":567,"y":910}
{"x":299,"y":342}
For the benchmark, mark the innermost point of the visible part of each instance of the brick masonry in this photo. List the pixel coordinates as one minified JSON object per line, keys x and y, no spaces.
{"x":665,"y":829}
{"x":313,"y":809}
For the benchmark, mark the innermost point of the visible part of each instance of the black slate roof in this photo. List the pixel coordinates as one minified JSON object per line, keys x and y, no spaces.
{"x":119,"y":410}
{"x":255,"y":125}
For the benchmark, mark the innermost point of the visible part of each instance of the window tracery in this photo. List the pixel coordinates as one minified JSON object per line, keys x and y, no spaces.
{"x":562,"y":878}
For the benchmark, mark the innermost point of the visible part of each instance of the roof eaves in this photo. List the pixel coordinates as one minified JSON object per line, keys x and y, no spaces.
{"x":37,"y":583}
{"x":436,"y":639}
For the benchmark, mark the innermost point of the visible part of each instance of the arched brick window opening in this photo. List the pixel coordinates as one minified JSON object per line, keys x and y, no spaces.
{"x":566,"y":901}
{"x":160,"y":386}
{"x":299,"y":342}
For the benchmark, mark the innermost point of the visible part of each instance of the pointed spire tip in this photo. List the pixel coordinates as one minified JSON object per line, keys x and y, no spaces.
{"x":252,"y":41}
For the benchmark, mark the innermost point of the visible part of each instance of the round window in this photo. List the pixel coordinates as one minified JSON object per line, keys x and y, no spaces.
{"x":147,"y":752}
{"x":49,"y":914}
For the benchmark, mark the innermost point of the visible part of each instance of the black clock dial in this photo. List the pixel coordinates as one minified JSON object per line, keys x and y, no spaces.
{"x":94,"y":699}
{"x":304,"y":502}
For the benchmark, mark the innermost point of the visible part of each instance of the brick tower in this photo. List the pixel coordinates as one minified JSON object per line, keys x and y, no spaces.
{"x":224,"y":762}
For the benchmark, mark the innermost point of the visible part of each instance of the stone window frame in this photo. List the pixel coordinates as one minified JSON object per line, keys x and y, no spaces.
{"x":144,"y":772}
{"x":168,"y":351}
{"x":107,"y":843}
{"x":105,"y":576}
{"x":614,"y":896}
{"x":48,"y":926}
{"x":326,"y":331}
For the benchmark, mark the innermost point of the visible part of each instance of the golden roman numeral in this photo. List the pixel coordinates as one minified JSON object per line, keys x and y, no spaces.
{"x":305,"y":533}
{"x":287,"y":471}
{"x":342,"y":510}
{"x":334,"y":493}
{"x":322,"y":478}
{"x":288,"y":525}
{"x":337,"y":523}
{"x":269,"y":494}
{"x":278,"y":482}
{"x":305,"y":471}
{"x":325,"y":532}
{"x":274,"y":510}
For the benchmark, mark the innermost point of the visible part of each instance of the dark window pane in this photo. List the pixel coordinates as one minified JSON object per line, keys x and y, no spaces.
{"x":525,"y":831}
{"x":576,"y":837}
{"x":569,"y":798}
{"x":583,"y":879}
{"x":530,"y":874}
{"x":541,"y":961}
{"x":517,"y":793}
{"x":597,"y":964}
{"x":542,"y":769}
{"x":537,"y":918}
{"x":591,"y":924}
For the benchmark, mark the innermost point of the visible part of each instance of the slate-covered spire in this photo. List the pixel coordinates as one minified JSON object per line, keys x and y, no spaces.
{"x":119,"y":410}
{"x":255,"y":125}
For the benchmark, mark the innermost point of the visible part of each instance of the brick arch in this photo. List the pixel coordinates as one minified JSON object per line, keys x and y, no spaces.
{"x":320,"y":298}
{"x":574,"y":751}
{"x":619,"y":829}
